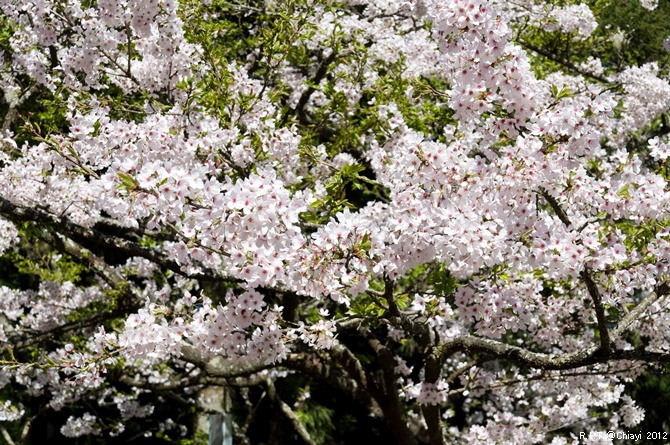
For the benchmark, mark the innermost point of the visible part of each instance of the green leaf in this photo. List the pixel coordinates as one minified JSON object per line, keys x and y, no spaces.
{"x":365,"y":242}
{"x":127,"y":181}
{"x":624,"y":192}
{"x":565,"y":92}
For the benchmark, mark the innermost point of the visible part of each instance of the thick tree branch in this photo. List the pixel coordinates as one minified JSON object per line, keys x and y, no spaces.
{"x":350,"y":363}
{"x":584,"y":357}
{"x":471,"y":344}
{"x":661,"y":291}
{"x":93,"y":237}
{"x":592,"y":288}
{"x":290,"y":415}
{"x":220,"y":366}
{"x":431,"y":413}
{"x":327,"y":372}
{"x":312,"y":365}
{"x":390,"y":299}
{"x":84,"y":256}
{"x":390,"y":404}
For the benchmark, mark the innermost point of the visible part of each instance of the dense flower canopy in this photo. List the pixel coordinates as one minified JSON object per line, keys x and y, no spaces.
{"x":453,"y":214}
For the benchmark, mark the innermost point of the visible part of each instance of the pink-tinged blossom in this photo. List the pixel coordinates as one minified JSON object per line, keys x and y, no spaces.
{"x":8,"y":235}
{"x":518,"y":222}
{"x":659,"y":150}
{"x":631,"y":414}
{"x":10,"y":412}
{"x":146,"y":337}
{"x":320,"y":335}
{"x":647,"y":95}
{"x":80,"y":426}
{"x":573,"y":19}
{"x":428,"y":393}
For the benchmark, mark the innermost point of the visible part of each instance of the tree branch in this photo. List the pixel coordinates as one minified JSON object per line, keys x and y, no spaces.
{"x":661,"y":290}
{"x":84,"y":256}
{"x":350,"y":363}
{"x":388,"y":296}
{"x":318,"y":77}
{"x":290,"y":415}
{"x":566,"y":63}
{"x":6,"y":436}
{"x":584,"y":357}
{"x":334,"y":376}
{"x":592,"y":288}
{"x":220,"y":366}
{"x":556,"y":207}
{"x":586,"y":275}
{"x":390,"y":404}
{"x":93,"y":237}
{"x":431,"y":413}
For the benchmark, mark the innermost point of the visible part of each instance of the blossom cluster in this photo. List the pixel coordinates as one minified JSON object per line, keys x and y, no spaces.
{"x":80,"y":426}
{"x":489,"y":204}
{"x":10,"y":412}
{"x":428,"y":393}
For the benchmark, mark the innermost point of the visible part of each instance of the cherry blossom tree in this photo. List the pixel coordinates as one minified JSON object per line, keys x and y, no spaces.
{"x":452,"y":216}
